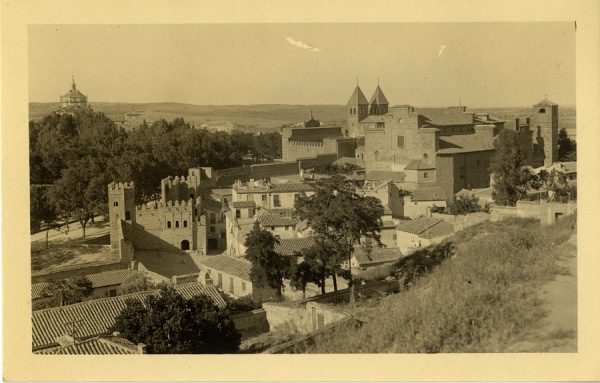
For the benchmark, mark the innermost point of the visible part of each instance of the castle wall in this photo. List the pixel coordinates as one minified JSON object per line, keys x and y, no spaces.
{"x":463,"y":171}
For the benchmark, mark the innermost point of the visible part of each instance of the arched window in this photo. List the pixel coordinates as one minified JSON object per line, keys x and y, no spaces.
{"x":168,"y":224}
{"x":542,"y":110}
{"x":115,"y":203}
{"x":176,"y":224}
{"x":184,"y":223}
{"x":185,"y":244}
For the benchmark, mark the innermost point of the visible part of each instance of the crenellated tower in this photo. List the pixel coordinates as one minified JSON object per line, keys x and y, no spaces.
{"x":121,"y":206}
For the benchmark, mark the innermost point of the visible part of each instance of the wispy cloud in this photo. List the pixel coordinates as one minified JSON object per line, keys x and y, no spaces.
{"x":441,"y":50}
{"x":301,"y":44}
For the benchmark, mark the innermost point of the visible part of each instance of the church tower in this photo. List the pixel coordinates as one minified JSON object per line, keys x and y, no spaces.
{"x":544,"y":124}
{"x":379,"y":104}
{"x":358,"y":110}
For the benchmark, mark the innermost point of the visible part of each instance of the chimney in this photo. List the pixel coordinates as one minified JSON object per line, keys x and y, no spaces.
{"x":528,"y":121}
{"x":141,"y":348}
{"x":517,"y":124}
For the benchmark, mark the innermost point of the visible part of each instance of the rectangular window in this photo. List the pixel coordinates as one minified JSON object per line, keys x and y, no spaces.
{"x":276,"y":201}
{"x":212,"y":229}
{"x":249,"y":197}
{"x":112,"y":293}
{"x":287,"y":228}
{"x":213,"y":218}
{"x":401,"y":142}
{"x":263,"y":197}
{"x":231,"y":285}
{"x":425,"y":174}
{"x":238,"y":213}
{"x":127,"y":215}
{"x":220,"y":281}
{"x":296,"y":197}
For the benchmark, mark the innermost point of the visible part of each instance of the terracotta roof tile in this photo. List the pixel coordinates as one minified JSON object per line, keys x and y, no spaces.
{"x":98,"y":316}
{"x":291,"y":246}
{"x":376,"y":255}
{"x":94,"y":346}
{"x":276,"y":220}
{"x":107,"y":278}
{"x":418,"y":165}
{"x":238,"y":267}
{"x":434,"y":193}
{"x":291,"y":187}
{"x":445,"y":116}
{"x":243,"y":204}
{"x":426,"y":227}
{"x":465,"y":143}
{"x":381,"y":175}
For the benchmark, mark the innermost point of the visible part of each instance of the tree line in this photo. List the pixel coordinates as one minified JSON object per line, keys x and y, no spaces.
{"x":74,"y":157}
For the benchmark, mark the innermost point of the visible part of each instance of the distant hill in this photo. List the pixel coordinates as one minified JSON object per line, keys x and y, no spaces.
{"x":263,"y":117}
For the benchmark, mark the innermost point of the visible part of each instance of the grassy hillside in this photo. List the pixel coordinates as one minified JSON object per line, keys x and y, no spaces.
{"x":484,"y":298}
{"x":262,"y":116}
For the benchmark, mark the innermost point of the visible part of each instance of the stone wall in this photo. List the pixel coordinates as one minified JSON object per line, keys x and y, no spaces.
{"x":251,"y":323}
{"x":461,"y":222}
{"x":76,"y":271}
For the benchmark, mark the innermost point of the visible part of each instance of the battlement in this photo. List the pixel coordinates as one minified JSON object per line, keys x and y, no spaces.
{"x":305,"y":143}
{"x":170,"y":181}
{"x":120,"y":185}
{"x":170,"y":205}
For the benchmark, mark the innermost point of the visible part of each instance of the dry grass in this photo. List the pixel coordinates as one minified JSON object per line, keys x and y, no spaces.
{"x":481,"y":300}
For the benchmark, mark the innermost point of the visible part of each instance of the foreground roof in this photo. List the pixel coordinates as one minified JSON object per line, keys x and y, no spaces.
{"x":445,"y":116}
{"x":243,"y":204}
{"x":96,"y":317}
{"x":238,"y":267}
{"x":107,"y":345}
{"x":426,"y":227}
{"x":107,"y":278}
{"x":276,"y":220}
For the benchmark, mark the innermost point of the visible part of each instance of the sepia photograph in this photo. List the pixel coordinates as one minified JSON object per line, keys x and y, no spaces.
{"x":297,"y":191}
{"x":303,"y":188}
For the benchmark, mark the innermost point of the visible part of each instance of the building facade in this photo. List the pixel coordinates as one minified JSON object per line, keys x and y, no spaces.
{"x":73,"y":98}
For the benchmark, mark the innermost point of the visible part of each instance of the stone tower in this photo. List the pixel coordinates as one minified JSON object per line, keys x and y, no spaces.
{"x":544,"y":124}
{"x":121,"y":206}
{"x":358,"y":110}
{"x":378,"y":104}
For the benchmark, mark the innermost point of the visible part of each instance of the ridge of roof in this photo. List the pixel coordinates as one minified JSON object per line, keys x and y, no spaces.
{"x":357,"y":98}
{"x":378,"y":97}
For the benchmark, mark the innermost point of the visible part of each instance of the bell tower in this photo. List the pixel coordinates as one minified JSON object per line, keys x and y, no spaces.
{"x":121,"y":207}
{"x":358,"y":109}
{"x":379,"y":103}
{"x":544,"y":124}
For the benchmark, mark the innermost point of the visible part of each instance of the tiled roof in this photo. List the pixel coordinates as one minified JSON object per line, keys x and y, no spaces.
{"x":372,"y":119}
{"x":94,"y":346}
{"x":107,"y":278}
{"x":418,"y":165}
{"x":358,"y":97}
{"x":432,"y":193}
{"x":349,"y":160}
{"x":465,"y":143}
{"x":378,"y":97}
{"x":97,"y":316}
{"x":73,"y":93}
{"x":291,"y":246}
{"x":243,"y":204}
{"x":211,"y":204}
{"x":426,"y":227}
{"x":291,"y":187}
{"x":281,"y":211}
{"x":381,"y":175}
{"x":238,"y":267}
{"x":376,"y":255}
{"x":445,"y":116}
{"x":276,"y":220}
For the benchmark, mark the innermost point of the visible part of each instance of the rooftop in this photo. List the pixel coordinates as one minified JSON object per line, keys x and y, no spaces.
{"x":465,"y":143}
{"x":97,"y":316}
{"x":381,"y":175}
{"x":243,"y":204}
{"x":378,"y":97}
{"x":291,"y":246}
{"x":238,"y":267}
{"x":445,"y":116}
{"x":105,"y":345}
{"x":276,"y":220}
{"x":426,"y":227}
{"x":291,"y":187}
{"x":376,"y":255}
{"x":358,"y":97}
{"x":418,"y":165}
{"x":545,"y":102}
{"x":432,"y":193}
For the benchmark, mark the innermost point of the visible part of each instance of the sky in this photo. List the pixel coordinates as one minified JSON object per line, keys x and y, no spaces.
{"x":422,"y":64}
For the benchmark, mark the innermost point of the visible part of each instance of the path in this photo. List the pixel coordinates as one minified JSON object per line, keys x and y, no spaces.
{"x":558,"y":329}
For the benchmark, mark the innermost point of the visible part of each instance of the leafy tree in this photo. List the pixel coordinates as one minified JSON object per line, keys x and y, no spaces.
{"x":340,"y":217}
{"x":79,"y":191}
{"x":43,"y":213}
{"x":68,"y":291}
{"x":135,"y":282}
{"x":511,"y":181}
{"x":268,"y":267}
{"x":464,"y":205}
{"x":567,"y":148}
{"x":555,"y":184}
{"x":170,"y":324}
